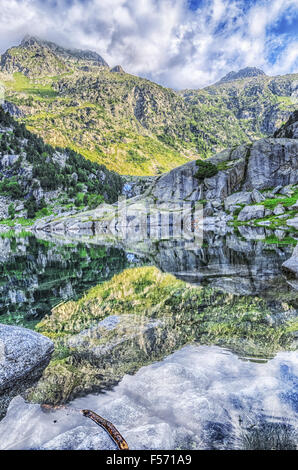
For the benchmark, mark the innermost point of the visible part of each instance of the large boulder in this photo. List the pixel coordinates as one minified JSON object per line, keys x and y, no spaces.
{"x":242,"y":197}
{"x":251,"y":212}
{"x":23,"y":355}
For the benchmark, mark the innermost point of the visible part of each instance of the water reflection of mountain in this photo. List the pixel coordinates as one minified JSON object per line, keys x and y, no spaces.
{"x":235,"y":264}
{"x":230,"y":292}
{"x":238,"y":266}
{"x":142,"y":315}
{"x":35,"y":274}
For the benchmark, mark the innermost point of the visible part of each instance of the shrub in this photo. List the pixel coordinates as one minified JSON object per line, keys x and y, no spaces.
{"x":94,"y":200}
{"x":205,"y":170}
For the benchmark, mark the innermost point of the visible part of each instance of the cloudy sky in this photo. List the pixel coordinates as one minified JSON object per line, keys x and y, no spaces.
{"x":177,"y":43}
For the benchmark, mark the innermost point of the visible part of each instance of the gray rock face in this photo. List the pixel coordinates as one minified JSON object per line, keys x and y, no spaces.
{"x":251,"y":212}
{"x":8,"y":160}
{"x":291,"y":265}
{"x":272,"y":162}
{"x":12,"y":109}
{"x":293,"y":223}
{"x":22,"y":353}
{"x":290,"y":129}
{"x":266,"y":163}
{"x":178,"y":184}
{"x":117,"y":69}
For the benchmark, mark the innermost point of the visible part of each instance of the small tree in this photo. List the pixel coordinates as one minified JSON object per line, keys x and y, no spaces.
{"x":11,"y":210}
{"x":205,"y":170}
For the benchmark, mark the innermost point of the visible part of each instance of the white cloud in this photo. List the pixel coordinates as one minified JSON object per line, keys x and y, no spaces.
{"x":161,"y":39}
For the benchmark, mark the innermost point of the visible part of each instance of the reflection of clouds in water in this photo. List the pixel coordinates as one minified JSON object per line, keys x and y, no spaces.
{"x":198,"y":386}
{"x":201,"y":397}
{"x":290,"y":395}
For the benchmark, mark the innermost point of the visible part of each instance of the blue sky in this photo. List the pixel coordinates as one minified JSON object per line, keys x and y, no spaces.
{"x":178,"y":43}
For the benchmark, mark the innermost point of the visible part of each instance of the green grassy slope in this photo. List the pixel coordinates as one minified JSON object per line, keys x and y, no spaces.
{"x":132,"y":125}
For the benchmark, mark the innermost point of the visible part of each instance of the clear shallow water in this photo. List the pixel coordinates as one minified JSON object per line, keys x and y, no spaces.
{"x":199,"y":397}
{"x":210,"y":364}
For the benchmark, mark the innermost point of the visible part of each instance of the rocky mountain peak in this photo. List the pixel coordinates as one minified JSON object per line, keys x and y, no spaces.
{"x":247,"y":72}
{"x":30,"y":41}
{"x":63,"y":52}
{"x":38,"y":57}
{"x":117,"y":69}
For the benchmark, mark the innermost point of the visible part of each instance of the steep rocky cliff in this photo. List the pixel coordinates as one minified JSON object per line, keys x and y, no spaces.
{"x":262,"y":165}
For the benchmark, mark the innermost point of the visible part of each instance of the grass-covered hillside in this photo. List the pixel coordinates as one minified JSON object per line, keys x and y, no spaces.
{"x":134,"y":126}
{"x":128,"y":123}
{"x":37,"y":179}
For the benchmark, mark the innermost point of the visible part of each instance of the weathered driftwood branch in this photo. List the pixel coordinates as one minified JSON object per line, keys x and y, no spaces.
{"x":102,"y":422}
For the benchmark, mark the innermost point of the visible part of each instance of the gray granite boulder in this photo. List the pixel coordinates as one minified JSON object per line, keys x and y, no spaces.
{"x":251,"y":212}
{"x":279,"y":209}
{"x":293,"y":223}
{"x":257,"y":196}
{"x":23,"y":355}
{"x":22,"y":351}
{"x":242,"y":197}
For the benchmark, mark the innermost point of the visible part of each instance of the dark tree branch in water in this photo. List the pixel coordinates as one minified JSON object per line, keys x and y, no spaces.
{"x":106,"y":425}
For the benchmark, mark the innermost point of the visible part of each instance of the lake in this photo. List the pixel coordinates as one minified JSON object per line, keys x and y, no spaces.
{"x":181,"y":347}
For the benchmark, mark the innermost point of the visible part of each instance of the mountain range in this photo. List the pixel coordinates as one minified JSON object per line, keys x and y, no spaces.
{"x":72,"y":98}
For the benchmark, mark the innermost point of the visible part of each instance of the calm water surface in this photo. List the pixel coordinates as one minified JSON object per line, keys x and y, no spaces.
{"x":204,"y":359}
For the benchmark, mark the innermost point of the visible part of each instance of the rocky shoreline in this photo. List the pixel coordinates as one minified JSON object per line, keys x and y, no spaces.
{"x":255,"y":193}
